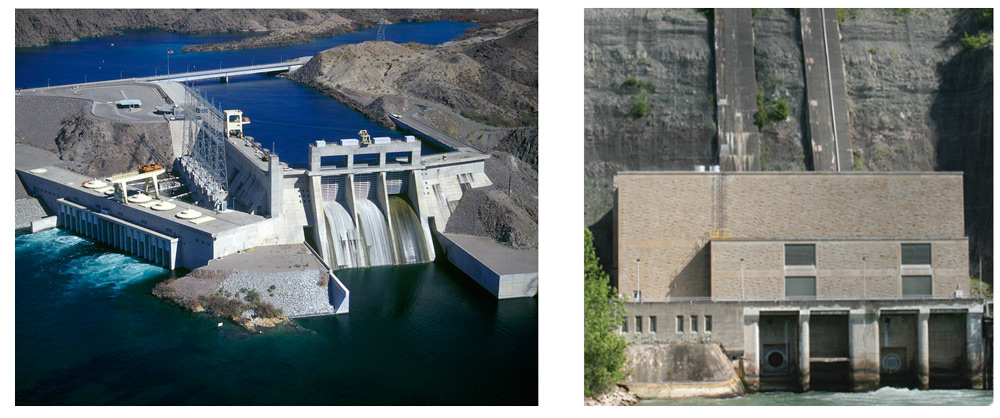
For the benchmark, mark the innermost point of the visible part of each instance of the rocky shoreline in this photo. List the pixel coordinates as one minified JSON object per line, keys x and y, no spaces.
{"x":617,"y":397}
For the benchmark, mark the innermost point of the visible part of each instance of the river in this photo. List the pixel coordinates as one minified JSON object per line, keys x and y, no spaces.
{"x":88,"y":331}
{"x":883,"y":397}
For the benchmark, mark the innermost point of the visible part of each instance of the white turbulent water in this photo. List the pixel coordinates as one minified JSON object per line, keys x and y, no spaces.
{"x":884,"y":396}
{"x":84,"y":268}
{"x":411,"y":246}
{"x":109,"y":269}
{"x":375,"y":232}
{"x":345,"y":245}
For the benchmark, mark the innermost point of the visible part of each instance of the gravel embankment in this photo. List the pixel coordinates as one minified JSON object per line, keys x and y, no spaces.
{"x":26,"y":211}
{"x":296,"y":293}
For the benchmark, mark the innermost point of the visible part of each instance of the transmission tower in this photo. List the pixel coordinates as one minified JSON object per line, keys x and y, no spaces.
{"x":204,"y":143}
{"x":380,"y":36}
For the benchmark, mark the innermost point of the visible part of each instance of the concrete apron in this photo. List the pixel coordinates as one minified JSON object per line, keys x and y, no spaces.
{"x":674,"y":371}
{"x":679,"y":390}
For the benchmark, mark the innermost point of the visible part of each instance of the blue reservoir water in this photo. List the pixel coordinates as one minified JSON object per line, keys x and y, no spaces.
{"x":88,"y":331}
{"x":283,"y":113}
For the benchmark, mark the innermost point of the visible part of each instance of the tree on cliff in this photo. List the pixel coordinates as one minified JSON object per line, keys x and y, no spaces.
{"x":604,"y":349}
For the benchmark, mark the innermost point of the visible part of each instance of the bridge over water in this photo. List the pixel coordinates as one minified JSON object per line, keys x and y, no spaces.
{"x":223,"y":74}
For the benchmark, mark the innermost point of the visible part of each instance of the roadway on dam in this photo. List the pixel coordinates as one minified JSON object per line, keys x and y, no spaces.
{"x":736,"y":90}
{"x":826,"y":90}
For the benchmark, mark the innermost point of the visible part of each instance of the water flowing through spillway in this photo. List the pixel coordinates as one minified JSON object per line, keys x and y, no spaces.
{"x":375,"y":232}
{"x":411,"y":246}
{"x":345,"y":244}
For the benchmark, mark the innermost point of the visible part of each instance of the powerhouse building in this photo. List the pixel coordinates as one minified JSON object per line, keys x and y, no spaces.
{"x":808,"y":280}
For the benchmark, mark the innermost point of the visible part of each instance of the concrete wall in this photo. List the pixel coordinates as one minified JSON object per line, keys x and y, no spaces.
{"x":834,"y":343}
{"x":665,"y":219}
{"x":249,"y":185}
{"x":503,"y":286}
{"x":673,"y":371}
{"x":439,"y":188}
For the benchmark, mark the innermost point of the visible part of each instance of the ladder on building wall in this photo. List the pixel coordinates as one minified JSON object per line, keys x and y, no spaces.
{"x":719,"y":208}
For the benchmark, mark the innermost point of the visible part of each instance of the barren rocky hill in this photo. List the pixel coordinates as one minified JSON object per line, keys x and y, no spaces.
{"x":482,"y":89}
{"x":87,"y":144}
{"x":37,"y":27}
{"x":918,"y":101}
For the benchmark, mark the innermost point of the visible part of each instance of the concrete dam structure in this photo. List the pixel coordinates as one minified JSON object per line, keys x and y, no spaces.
{"x":365,"y":217}
{"x":360,"y":202}
{"x":833,"y":281}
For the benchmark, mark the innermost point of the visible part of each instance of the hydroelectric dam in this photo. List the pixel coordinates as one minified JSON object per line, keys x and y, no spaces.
{"x":359,"y":202}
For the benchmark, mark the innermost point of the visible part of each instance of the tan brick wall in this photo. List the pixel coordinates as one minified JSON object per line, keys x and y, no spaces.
{"x":664,"y":219}
{"x":839,"y":269}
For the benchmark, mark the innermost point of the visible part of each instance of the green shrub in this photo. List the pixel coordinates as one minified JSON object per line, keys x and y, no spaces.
{"x":780,"y":110}
{"x":859,"y":160}
{"x":985,"y":17}
{"x":841,"y":15}
{"x":639,"y":104}
{"x":977,"y":41}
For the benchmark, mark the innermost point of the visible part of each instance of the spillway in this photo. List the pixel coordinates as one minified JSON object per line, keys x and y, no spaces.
{"x":411,"y":246}
{"x":343,"y":237}
{"x":375,"y":232}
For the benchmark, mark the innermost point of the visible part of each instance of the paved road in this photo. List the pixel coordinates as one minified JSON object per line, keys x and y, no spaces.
{"x":826,"y":91}
{"x":736,"y":90}
{"x":458,"y":150}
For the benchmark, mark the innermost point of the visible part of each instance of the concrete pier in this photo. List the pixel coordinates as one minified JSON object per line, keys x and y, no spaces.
{"x":923,"y":349}
{"x":804,"y":357}
{"x":864,"y":350}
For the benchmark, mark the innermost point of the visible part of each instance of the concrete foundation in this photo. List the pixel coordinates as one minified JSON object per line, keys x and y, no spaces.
{"x":845,"y":345}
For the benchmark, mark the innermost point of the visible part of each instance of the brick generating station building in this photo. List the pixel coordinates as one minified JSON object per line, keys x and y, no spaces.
{"x":846,"y":281}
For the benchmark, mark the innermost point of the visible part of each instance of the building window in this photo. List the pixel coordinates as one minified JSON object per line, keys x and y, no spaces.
{"x":708,"y":323}
{"x":917,"y":286}
{"x":800,"y":287}
{"x":680,"y":323}
{"x":625,"y":324}
{"x":694,"y":323}
{"x":638,"y":325}
{"x":916,"y":254}
{"x":652,"y":324}
{"x":800,"y":254}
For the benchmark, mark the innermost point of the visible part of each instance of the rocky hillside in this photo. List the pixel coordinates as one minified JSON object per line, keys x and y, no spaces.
{"x":662,"y":58}
{"x":918,"y":101}
{"x":37,"y":27}
{"x":482,"y":89}
{"x":86,"y":144}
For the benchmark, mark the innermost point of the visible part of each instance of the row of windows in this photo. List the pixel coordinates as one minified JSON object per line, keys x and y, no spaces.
{"x":805,"y":254}
{"x":806,"y":286}
{"x":678,"y":327}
